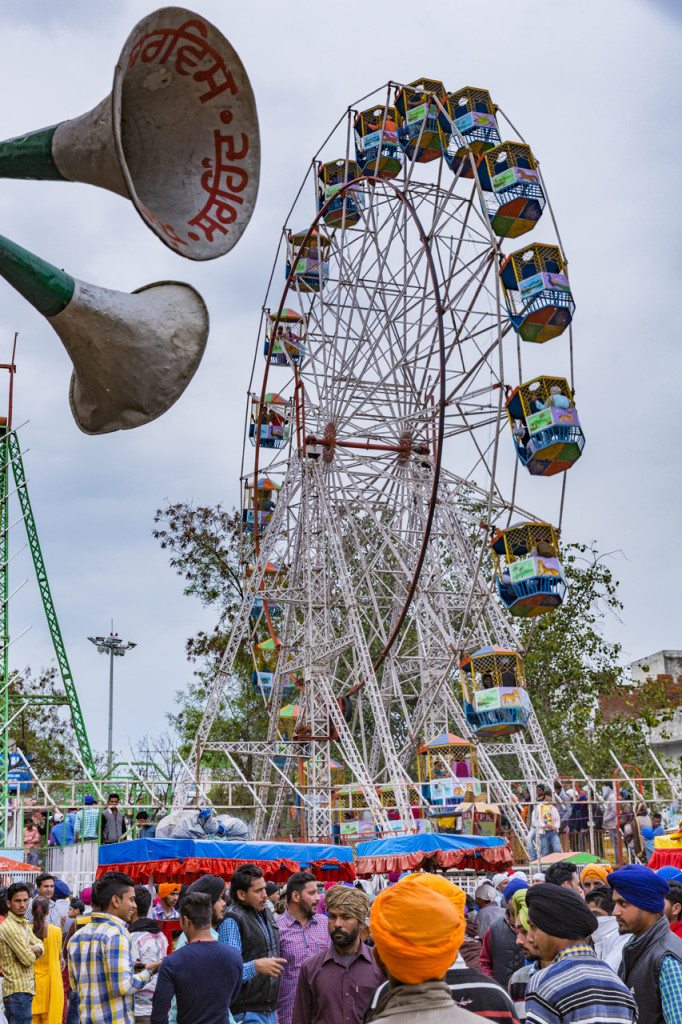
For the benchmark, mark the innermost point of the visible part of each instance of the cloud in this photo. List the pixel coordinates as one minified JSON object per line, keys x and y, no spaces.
{"x":587,"y":85}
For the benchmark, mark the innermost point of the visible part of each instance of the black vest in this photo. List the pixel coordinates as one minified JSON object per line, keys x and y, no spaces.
{"x":641,"y":965}
{"x":261,"y":992}
{"x":506,"y":956}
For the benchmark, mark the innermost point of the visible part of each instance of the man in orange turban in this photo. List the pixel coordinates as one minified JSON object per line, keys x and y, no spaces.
{"x":593,"y":875}
{"x":418,"y":926}
{"x":166,"y":909}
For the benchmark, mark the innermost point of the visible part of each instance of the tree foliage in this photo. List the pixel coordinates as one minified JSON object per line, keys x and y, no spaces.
{"x":570,"y":664}
{"x":42,"y":731}
{"x":207,"y":549}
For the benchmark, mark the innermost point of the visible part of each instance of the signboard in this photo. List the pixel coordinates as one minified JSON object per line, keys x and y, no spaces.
{"x":522,"y":570}
{"x":464,"y":122}
{"x":558,"y":281}
{"x":485,"y":823}
{"x":442,"y":791}
{"x":539,"y":421}
{"x":500,"y":697}
{"x":475,"y":119}
{"x":487,"y":700}
{"x":417,"y":113}
{"x":503,"y":180}
{"x":531,"y":285}
{"x":565,"y":417}
{"x":512,"y":176}
{"x":373,"y":139}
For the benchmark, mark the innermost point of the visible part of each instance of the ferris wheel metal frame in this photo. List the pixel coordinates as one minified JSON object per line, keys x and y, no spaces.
{"x":424,"y":610}
{"x":398,"y":449}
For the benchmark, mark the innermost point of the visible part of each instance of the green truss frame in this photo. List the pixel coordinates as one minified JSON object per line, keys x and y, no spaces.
{"x":11,"y":456}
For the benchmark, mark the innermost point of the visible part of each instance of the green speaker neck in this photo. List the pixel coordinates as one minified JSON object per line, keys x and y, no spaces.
{"x":45,"y":286}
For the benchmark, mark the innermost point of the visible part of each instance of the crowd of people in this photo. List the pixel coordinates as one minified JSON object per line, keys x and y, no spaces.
{"x":590,"y":946}
{"x":557,"y":817}
{"x":584,"y":818}
{"x":106,"y":825}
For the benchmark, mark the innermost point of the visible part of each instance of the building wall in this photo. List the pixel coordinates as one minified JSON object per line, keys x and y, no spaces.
{"x":666,"y":666}
{"x":662,"y":663}
{"x":667,"y":738}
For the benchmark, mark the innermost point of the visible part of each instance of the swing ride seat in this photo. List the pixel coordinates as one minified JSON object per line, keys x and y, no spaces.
{"x":545,"y":425}
{"x":376,"y":142}
{"x":538,"y":293}
{"x":345,"y":209}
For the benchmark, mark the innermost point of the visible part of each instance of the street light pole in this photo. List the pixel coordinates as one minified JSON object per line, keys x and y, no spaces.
{"x":114,"y":646}
{"x":110,"y":731}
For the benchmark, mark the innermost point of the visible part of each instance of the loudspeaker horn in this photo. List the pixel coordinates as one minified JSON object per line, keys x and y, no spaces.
{"x":133,"y":353}
{"x":178,"y":135}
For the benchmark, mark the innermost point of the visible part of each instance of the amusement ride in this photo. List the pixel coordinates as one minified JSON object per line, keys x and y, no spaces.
{"x":403,"y":402}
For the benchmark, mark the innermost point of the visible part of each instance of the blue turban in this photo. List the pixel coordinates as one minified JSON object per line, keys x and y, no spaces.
{"x":512,"y":887}
{"x":670,"y":873}
{"x":640,"y":886}
{"x":61,"y":889}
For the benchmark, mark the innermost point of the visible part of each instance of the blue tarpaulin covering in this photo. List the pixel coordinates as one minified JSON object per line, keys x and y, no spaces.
{"x":179,"y":849}
{"x":424,"y":842}
{"x":183,"y":860}
{"x":408,"y":853}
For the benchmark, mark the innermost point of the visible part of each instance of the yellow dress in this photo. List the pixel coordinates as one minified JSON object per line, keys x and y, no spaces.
{"x":48,"y":1002}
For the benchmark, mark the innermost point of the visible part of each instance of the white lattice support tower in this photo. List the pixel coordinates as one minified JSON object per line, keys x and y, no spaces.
{"x":238,"y":633}
{"x":371,"y":689}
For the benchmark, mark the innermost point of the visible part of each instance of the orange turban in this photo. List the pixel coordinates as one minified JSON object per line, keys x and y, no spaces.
{"x":595,"y":873}
{"x":458,"y":897}
{"x":166,"y":888}
{"x":418,"y":926}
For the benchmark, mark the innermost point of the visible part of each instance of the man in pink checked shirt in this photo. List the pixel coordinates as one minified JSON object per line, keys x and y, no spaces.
{"x":302,"y":933}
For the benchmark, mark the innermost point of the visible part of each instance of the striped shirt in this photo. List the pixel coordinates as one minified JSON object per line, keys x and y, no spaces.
{"x":470,"y":989}
{"x":518,"y":985}
{"x":479,"y":994}
{"x":101,"y":970}
{"x":16,"y":956}
{"x":578,"y":988}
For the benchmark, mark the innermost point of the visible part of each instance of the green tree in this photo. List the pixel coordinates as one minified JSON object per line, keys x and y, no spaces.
{"x":570,"y":665}
{"x":41,"y":730}
{"x":208,"y":550}
{"x":569,"y":662}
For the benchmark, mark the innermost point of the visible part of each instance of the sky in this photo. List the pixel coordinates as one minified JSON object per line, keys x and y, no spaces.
{"x":591,"y":86}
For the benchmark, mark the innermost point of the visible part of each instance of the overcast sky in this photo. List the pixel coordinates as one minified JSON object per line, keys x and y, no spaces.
{"x":592,"y":86}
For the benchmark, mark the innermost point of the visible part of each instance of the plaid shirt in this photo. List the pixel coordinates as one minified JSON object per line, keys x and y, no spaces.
{"x":86,"y":824}
{"x":101,"y":970}
{"x":297,"y":943}
{"x":670,"y":983}
{"x":16,"y":955}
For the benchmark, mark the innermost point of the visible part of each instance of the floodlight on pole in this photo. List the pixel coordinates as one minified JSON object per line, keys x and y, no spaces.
{"x":115,"y":647}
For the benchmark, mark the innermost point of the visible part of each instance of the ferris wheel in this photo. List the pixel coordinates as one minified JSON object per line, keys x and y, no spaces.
{"x":400,"y":427}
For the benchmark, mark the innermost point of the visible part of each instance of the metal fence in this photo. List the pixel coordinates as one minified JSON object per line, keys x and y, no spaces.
{"x":582,"y":833}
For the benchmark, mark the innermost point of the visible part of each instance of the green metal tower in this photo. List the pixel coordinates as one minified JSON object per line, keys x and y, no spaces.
{"x":10,"y":456}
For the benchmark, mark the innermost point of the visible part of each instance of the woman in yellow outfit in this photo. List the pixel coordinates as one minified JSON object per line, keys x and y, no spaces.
{"x":48,"y":1002}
